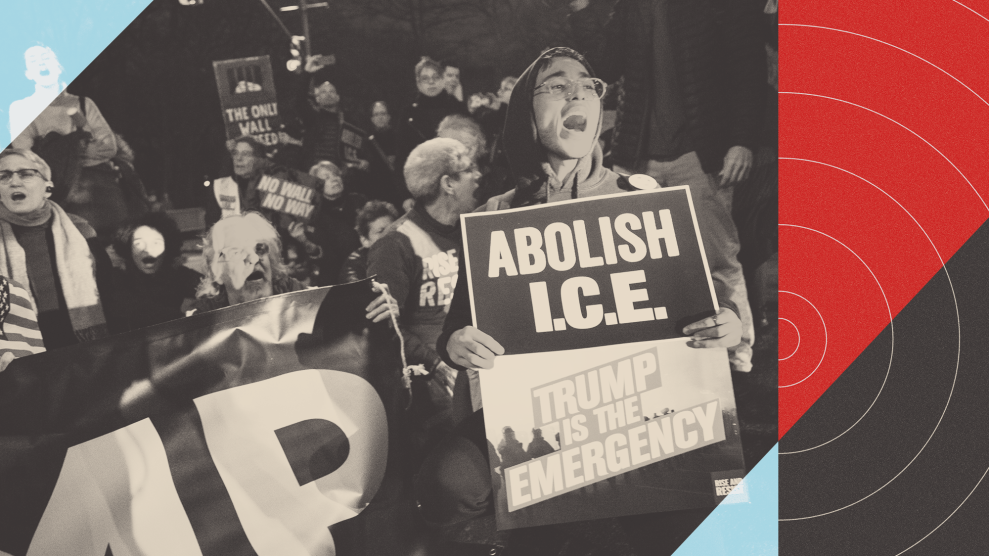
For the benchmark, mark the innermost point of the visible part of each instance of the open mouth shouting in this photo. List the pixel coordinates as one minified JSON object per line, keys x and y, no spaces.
{"x":575,"y":122}
{"x":255,"y":276}
{"x":148,"y":264}
{"x":17,"y":196}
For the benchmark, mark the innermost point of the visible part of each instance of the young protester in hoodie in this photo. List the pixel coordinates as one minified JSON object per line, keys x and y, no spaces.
{"x":552,"y":127}
{"x":693,"y":80}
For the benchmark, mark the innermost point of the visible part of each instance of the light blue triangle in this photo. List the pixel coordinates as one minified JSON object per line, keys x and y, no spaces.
{"x":76,"y":30}
{"x":746,"y":528}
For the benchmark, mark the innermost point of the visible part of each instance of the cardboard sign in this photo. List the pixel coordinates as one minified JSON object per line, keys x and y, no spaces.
{"x":290,"y":192}
{"x":352,"y":140}
{"x":589,"y":272}
{"x":248,"y":101}
{"x":599,"y":408}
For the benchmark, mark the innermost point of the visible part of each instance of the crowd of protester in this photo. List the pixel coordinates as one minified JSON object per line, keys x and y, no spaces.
{"x":80,"y":241}
{"x":80,"y":233}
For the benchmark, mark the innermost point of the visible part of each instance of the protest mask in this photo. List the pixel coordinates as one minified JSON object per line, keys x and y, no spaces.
{"x":147,"y":248}
{"x":242,"y":259}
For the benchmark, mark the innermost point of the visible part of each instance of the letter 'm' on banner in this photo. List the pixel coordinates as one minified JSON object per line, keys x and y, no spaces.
{"x":283,"y":510}
{"x":127,"y":464}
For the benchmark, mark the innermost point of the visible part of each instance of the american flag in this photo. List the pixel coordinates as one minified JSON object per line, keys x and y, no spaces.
{"x":19,"y":333}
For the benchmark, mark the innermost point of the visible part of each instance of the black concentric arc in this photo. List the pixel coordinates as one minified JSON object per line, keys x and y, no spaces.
{"x":909,"y":478}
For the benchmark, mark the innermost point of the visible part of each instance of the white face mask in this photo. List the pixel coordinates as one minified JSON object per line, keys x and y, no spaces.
{"x":147,"y":247}
{"x":235,"y":265}
{"x":241,"y":259}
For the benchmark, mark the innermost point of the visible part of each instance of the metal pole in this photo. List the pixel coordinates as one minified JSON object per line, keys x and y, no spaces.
{"x":305,"y":29}
{"x":279,"y":20}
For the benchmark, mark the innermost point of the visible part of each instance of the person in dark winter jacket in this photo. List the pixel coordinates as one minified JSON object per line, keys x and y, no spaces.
{"x":690,"y":109}
{"x":430,"y":106}
{"x":384,"y":177}
{"x":329,"y":237}
{"x":153,"y":286}
{"x":553,"y":124}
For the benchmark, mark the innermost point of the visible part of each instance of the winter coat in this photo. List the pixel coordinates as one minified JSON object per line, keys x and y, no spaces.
{"x":422,"y":119}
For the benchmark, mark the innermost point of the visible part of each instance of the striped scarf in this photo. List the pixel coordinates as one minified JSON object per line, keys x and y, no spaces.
{"x":73,"y":261}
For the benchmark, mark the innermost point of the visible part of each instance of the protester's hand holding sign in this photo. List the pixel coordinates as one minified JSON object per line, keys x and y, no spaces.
{"x":723,"y":330}
{"x":473,"y":349}
{"x":298,"y":232}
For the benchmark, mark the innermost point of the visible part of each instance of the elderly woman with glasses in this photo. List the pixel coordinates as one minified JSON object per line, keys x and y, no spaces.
{"x":54,"y":255}
{"x":430,"y":106}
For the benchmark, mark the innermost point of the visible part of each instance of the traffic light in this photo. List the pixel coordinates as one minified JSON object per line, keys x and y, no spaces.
{"x":296,"y":61}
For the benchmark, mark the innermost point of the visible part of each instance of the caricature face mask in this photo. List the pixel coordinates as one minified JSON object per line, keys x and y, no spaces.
{"x":147,"y":248}
{"x":241,"y":261}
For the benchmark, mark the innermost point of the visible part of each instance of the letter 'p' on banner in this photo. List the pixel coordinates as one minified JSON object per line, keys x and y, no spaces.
{"x":599,"y":408}
{"x":247,"y":430}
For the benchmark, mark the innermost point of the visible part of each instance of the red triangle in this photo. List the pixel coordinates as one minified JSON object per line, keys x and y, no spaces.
{"x":882,"y":169}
